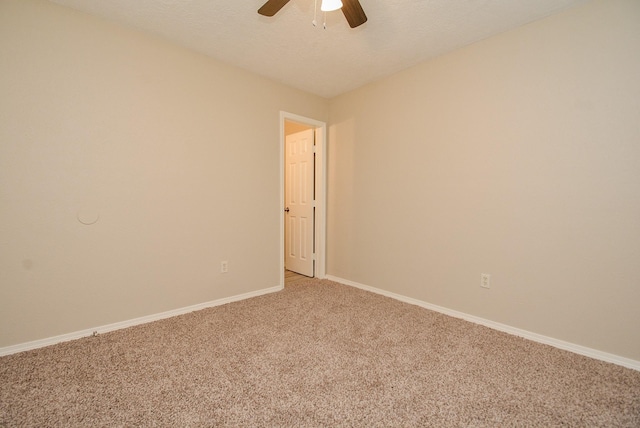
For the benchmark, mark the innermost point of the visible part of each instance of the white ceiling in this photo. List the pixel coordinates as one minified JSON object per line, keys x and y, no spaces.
{"x":327,"y":62}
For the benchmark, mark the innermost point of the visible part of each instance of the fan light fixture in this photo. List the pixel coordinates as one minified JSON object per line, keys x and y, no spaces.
{"x":330,"y":5}
{"x":351,"y":9}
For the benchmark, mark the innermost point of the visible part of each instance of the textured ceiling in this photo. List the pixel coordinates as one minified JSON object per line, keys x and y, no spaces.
{"x":327,"y":62}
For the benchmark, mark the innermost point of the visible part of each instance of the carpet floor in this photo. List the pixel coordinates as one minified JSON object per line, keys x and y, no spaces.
{"x":316,"y":354}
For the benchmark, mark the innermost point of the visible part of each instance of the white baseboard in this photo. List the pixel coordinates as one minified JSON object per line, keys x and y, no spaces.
{"x":14,"y":349}
{"x":561,"y":344}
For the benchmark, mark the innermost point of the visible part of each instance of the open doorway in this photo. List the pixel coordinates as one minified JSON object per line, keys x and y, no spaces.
{"x":308,"y":134}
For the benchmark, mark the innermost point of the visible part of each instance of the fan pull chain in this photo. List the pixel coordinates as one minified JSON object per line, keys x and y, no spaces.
{"x":315,"y":14}
{"x":315,"y":11}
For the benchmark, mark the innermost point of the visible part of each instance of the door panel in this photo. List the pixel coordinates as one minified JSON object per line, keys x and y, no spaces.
{"x":299,"y":203}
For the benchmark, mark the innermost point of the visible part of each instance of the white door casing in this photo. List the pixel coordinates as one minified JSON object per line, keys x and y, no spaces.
{"x":299,"y":202}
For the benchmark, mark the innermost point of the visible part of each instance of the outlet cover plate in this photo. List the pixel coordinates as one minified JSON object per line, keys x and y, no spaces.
{"x":485,"y":280}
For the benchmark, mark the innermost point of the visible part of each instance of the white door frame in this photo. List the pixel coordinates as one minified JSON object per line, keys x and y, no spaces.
{"x":320,"y":190}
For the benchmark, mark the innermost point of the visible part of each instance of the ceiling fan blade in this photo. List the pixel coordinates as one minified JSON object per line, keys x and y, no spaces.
{"x":353,"y":12}
{"x":271,"y":7}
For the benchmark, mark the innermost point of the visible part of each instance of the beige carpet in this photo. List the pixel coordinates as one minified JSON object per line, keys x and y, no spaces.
{"x":316,"y":354}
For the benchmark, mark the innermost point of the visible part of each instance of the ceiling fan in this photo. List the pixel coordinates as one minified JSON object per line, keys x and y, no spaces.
{"x":351,"y":9}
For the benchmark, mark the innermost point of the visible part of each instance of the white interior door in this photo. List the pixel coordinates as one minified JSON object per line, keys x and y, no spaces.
{"x":299,"y":202}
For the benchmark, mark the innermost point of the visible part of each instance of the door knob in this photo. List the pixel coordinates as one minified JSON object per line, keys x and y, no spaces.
{"x":286,"y":210}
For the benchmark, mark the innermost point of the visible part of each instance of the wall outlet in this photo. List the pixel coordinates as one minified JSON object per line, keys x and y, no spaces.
{"x":224,"y":266}
{"x":485,"y":280}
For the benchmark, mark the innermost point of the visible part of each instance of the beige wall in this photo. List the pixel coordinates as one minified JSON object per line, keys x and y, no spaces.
{"x":95,"y":118}
{"x":518,"y":156}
